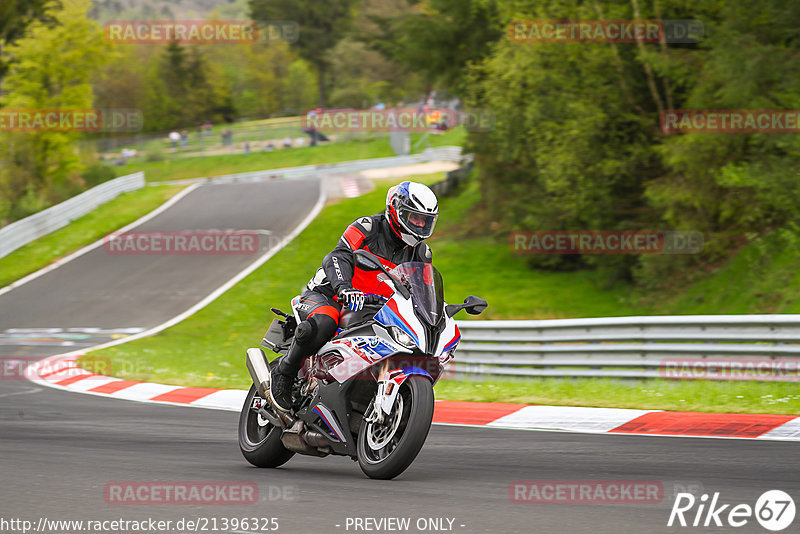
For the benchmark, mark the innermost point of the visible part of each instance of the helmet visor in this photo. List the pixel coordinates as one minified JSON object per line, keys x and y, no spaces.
{"x":418,"y":223}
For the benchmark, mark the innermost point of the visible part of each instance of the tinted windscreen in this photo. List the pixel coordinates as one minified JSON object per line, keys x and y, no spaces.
{"x":426,"y":288}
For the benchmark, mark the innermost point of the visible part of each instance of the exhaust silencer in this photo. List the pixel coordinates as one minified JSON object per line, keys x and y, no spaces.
{"x":259,"y":372}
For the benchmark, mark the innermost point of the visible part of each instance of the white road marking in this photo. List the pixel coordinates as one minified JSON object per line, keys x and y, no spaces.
{"x":25,"y":392}
{"x":163,"y":207}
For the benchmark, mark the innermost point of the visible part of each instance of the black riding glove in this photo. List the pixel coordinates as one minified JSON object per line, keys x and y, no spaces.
{"x":352,"y":298}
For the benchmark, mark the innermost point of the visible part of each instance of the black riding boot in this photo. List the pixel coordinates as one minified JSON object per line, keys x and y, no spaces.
{"x":309,"y":337}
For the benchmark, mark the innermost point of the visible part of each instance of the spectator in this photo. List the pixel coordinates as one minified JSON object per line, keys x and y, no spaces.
{"x":311,"y":119}
{"x":174,"y":137}
{"x":287,"y":142}
{"x":227,"y":137}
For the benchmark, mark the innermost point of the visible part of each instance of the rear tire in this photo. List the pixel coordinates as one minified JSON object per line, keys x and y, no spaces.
{"x":259,"y":440}
{"x":407,"y":438}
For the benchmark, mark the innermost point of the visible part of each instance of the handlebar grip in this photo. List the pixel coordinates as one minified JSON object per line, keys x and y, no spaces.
{"x":372,"y":299}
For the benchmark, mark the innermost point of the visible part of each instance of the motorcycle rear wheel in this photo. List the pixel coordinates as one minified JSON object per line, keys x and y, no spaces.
{"x":386,"y":450}
{"x":259,"y":440}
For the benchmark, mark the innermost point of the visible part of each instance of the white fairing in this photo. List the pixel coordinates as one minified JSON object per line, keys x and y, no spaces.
{"x":406,"y":309}
{"x":449,"y":334}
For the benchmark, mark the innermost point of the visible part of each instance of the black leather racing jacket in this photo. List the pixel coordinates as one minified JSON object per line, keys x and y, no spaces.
{"x":374,"y":235}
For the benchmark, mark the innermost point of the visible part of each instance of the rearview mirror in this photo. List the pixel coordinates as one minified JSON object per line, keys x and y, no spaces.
{"x":365,"y":262}
{"x":370,"y":262}
{"x":475,"y":305}
{"x":472,"y":305}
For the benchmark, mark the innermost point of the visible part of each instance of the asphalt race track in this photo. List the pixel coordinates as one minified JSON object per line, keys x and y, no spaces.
{"x":115,"y":291}
{"x":59,"y":450}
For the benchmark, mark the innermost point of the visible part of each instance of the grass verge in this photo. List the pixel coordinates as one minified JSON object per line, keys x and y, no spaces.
{"x":202,"y":166}
{"x":111,"y":216}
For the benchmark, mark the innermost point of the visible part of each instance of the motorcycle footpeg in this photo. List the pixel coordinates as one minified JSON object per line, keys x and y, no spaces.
{"x":271,"y":417}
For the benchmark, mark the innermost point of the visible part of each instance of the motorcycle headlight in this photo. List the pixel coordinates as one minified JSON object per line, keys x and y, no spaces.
{"x":403,"y":338}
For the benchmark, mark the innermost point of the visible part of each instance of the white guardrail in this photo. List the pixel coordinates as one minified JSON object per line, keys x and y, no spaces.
{"x":445,"y":153}
{"x":722,"y":347}
{"x":22,"y":232}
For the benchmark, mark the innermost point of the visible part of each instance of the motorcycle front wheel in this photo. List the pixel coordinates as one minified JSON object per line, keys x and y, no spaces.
{"x":387,"y":449}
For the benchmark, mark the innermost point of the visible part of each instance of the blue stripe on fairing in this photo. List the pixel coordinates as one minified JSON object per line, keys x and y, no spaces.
{"x":451,"y":345}
{"x":408,"y":371}
{"x":317,"y":411}
{"x":387,"y":317}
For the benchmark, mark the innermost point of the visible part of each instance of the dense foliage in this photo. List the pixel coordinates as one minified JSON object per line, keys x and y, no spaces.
{"x":576,"y":142}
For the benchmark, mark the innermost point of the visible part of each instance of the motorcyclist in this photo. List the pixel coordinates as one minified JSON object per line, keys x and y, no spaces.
{"x":395,"y":236}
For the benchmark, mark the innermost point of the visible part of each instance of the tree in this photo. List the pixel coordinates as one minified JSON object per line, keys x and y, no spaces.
{"x":438,"y":38}
{"x":298,"y":88}
{"x":15,"y":17}
{"x":52,"y":68}
{"x":321,"y":23}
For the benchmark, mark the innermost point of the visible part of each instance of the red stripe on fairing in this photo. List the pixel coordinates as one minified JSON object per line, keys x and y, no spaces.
{"x":455,"y":338}
{"x":393,"y":307}
{"x":354,"y":237}
{"x":319,"y":412}
{"x":739,"y":425}
{"x":471,"y":413}
{"x":185,"y":395}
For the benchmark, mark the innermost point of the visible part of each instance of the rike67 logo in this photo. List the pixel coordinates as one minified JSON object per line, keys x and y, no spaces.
{"x":774,"y":510}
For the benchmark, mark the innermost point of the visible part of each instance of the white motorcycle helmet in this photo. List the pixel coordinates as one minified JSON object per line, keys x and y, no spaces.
{"x":412,"y":210}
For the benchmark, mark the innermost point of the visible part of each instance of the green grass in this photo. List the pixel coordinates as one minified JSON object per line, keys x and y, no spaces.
{"x":202,"y":166}
{"x":654,"y":394}
{"x":111,"y":216}
{"x":482,"y":266}
{"x":764,"y":277}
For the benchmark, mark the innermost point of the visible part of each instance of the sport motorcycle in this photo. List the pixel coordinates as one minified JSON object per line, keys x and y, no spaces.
{"x":367,"y":393}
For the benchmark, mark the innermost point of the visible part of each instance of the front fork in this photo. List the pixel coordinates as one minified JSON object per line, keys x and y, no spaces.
{"x":389,"y":383}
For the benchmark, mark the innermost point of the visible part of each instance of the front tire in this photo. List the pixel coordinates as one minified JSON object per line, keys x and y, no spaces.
{"x":386,"y":450}
{"x":259,"y":440}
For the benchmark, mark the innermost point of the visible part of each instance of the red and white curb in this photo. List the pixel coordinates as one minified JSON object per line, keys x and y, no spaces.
{"x":63,"y":372}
